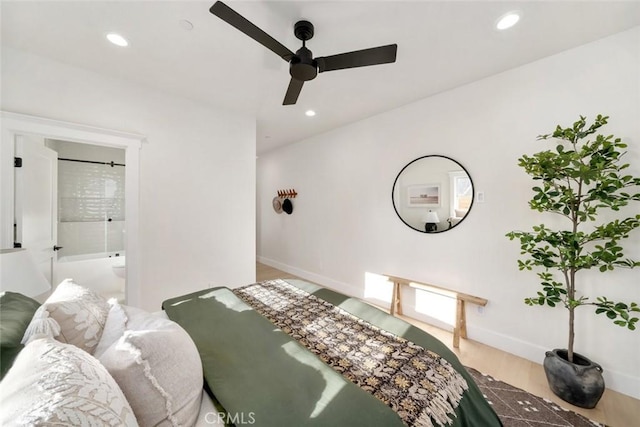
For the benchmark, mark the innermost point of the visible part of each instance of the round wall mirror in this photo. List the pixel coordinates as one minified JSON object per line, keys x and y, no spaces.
{"x":433,"y":194}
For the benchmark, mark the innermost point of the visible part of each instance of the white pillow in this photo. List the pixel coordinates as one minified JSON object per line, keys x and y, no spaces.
{"x":52,"y":383}
{"x":158,"y":368}
{"x":79,"y":314}
{"x":123,"y":317}
{"x":114,"y":327}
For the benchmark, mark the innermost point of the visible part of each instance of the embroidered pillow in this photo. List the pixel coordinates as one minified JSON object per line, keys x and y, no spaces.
{"x":72,"y":314}
{"x":52,"y":383}
{"x":158,"y":368}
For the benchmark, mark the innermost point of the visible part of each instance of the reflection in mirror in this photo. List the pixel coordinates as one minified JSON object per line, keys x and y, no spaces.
{"x":432,"y":194}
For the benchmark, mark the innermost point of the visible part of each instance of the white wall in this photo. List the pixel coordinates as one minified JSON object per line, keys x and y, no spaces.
{"x":344,"y":225}
{"x":197,"y":171}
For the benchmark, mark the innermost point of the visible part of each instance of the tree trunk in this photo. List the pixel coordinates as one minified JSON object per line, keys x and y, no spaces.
{"x":571,"y":335}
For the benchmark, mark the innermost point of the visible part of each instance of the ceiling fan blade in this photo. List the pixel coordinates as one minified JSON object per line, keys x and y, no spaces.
{"x":236,"y":20}
{"x":358,"y":58}
{"x":293,"y":91}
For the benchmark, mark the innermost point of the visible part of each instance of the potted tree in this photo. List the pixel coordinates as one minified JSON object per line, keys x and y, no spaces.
{"x":578,"y":180}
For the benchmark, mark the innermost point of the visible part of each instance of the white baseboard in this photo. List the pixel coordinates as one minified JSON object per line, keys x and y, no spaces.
{"x":335,"y":285}
{"x":614,"y":380}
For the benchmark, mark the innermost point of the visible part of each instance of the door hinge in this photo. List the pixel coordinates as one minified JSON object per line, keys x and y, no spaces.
{"x":17,"y":162}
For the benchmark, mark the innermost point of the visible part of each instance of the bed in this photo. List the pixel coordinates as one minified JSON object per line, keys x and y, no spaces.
{"x":286,"y":353}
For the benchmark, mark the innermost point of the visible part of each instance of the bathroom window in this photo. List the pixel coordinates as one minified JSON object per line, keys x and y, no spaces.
{"x":91,"y":221}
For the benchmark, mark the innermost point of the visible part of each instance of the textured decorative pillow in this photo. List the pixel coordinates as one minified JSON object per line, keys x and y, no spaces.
{"x":79,"y":312}
{"x":158,"y":368}
{"x":114,"y":327}
{"x":16,"y":311}
{"x":123,"y":317}
{"x":52,"y":383}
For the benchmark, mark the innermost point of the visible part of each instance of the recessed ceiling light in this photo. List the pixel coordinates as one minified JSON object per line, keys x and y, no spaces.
{"x":309,"y":113}
{"x":508,"y":20}
{"x":117,"y":39}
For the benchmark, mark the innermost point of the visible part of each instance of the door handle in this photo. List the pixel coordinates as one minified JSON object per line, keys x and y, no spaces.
{"x":57,"y":248}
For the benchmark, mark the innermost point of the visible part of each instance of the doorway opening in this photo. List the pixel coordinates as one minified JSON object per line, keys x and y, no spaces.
{"x":19,"y":129}
{"x":91,"y":221}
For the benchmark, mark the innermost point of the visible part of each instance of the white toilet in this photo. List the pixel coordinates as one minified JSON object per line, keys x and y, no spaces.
{"x":119,"y":266}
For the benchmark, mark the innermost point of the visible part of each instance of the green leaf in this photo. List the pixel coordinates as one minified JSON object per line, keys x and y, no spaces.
{"x":578,"y":181}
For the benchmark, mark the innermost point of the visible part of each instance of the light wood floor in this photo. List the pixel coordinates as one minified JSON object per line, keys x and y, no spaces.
{"x":614,"y":409}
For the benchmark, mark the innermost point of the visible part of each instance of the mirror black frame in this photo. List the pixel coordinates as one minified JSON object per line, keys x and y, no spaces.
{"x":421,"y":158}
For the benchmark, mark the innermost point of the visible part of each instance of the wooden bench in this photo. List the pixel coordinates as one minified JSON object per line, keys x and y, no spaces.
{"x":460,"y":328}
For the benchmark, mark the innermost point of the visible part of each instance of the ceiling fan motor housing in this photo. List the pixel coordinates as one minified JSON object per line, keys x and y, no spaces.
{"x":302,"y":66}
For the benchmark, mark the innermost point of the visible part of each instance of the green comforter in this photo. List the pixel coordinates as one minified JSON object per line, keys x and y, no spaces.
{"x":260,"y":374}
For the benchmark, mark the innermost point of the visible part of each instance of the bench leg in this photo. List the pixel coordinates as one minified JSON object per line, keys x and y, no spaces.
{"x":396,"y":302}
{"x":460,"y":329}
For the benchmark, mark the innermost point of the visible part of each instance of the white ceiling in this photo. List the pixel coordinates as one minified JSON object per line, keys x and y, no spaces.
{"x":441,"y":45}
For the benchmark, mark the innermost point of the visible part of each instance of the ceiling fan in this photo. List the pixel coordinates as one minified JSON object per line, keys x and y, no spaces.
{"x":302,"y":65}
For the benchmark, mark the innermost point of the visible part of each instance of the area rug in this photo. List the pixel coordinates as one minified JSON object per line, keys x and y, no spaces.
{"x":518,"y":408}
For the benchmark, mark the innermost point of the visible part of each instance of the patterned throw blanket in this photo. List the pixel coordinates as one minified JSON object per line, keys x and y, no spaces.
{"x":416,"y":383}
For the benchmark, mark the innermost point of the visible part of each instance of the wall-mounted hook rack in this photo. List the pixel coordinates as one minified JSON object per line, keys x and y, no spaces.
{"x":289,"y":194}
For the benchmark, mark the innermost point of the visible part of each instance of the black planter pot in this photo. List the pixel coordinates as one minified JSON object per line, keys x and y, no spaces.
{"x":579,"y":383}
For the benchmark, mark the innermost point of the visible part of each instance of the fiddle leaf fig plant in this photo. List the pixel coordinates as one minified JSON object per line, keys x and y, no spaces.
{"x":579,"y":179}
